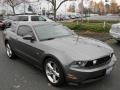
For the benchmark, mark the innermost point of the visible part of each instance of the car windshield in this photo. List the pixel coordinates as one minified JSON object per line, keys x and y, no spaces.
{"x":47,"y":32}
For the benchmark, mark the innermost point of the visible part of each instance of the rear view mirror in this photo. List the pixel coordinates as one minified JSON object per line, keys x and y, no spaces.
{"x":28,"y":37}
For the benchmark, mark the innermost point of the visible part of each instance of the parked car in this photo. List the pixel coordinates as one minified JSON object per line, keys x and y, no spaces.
{"x":109,"y":14}
{"x":2,"y":25}
{"x":51,"y":17}
{"x":65,"y":17}
{"x":29,"y":18}
{"x":77,"y":15}
{"x":72,"y":16}
{"x":63,"y":55}
{"x":26,"y":18}
{"x":115,"y":31}
{"x":59,"y":17}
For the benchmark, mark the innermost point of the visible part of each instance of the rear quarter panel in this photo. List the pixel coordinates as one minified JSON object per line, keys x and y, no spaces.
{"x":9,"y":36}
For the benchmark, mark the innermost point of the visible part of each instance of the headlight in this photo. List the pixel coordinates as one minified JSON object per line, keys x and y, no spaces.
{"x":77,"y":64}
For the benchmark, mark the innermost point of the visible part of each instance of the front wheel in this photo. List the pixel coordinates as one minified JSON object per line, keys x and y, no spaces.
{"x":54,"y":72}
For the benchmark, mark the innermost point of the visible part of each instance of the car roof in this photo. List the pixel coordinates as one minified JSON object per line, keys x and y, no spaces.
{"x":28,"y":15}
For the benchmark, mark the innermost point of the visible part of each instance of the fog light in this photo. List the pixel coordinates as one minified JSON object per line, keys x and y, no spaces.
{"x":95,"y":61}
{"x":71,"y":76}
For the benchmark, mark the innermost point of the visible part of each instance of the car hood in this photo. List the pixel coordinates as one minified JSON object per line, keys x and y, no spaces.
{"x":80,"y":48}
{"x":116,"y":25}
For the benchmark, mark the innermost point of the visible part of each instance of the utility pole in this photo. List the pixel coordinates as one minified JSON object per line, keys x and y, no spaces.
{"x":40,"y":8}
{"x":106,"y":6}
{"x":24,"y":7}
{"x":48,"y":9}
{"x":82,"y":7}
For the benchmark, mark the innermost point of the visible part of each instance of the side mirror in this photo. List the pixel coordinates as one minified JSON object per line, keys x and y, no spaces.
{"x":28,"y":37}
{"x":8,"y":24}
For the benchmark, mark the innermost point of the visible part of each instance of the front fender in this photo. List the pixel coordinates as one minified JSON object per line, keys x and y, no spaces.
{"x":63,"y":59}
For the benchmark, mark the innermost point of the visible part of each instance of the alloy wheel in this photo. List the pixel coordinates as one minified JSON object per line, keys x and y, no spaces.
{"x":52,"y":72}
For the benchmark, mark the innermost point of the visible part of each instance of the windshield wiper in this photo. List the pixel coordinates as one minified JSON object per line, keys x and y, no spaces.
{"x":47,"y":39}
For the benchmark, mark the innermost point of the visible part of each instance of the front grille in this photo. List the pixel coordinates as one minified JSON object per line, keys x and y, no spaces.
{"x":98,"y":62}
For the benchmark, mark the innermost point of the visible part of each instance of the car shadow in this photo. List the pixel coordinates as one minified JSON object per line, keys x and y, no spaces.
{"x":65,"y":86}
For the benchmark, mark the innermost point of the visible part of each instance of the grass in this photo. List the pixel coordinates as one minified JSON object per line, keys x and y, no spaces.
{"x":91,"y":26}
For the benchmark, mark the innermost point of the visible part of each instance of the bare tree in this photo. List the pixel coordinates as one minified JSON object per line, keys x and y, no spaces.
{"x":71,"y":8}
{"x":56,"y":5}
{"x":13,"y":4}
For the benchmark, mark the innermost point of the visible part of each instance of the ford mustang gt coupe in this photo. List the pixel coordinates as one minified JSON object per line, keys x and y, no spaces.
{"x":64,"y":56}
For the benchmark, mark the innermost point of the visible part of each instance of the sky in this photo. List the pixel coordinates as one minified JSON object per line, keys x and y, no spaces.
{"x":118,"y":1}
{"x":46,"y":5}
{"x":65,"y":6}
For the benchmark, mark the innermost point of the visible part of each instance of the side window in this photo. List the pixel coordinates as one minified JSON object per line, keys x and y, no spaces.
{"x":37,"y":18}
{"x":24,"y":30}
{"x":34,"y":18}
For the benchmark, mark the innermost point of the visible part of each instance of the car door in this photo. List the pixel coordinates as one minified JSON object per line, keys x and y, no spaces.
{"x":29,"y":50}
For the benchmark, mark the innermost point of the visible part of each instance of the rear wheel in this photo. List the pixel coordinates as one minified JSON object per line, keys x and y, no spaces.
{"x":54,"y":72}
{"x":9,"y":51}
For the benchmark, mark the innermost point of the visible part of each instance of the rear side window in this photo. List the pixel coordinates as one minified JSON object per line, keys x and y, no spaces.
{"x":22,"y":18}
{"x":24,"y":30}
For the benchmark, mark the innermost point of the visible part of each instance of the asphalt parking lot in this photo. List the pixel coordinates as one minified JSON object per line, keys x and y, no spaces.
{"x":19,"y":75}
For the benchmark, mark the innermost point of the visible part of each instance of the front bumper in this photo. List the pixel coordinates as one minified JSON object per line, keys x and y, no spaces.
{"x":115,"y":35}
{"x":89,"y":75}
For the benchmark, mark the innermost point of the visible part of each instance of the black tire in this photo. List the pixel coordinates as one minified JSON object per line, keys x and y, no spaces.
{"x":9,"y":51}
{"x":59,"y":70}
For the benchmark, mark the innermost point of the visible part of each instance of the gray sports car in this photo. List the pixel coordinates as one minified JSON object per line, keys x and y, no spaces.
{"x":58,"y":51}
